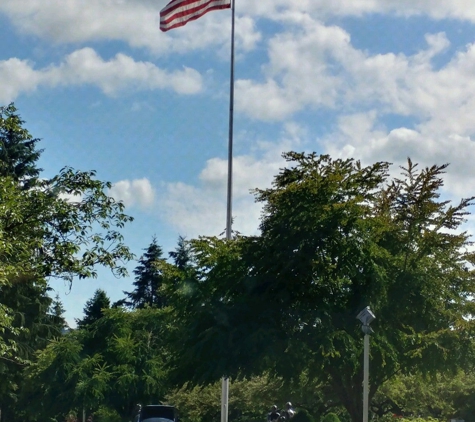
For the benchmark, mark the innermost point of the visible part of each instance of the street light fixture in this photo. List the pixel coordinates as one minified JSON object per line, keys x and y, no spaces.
{"x":366,"y":317}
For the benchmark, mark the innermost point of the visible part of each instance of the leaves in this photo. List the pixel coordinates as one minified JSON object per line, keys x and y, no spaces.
{"x":335,"y":237}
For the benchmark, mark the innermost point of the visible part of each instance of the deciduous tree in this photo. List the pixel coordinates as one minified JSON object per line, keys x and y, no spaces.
{"x":335,"y":237}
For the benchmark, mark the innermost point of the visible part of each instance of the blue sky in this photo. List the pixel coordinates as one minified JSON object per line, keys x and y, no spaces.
{"x":105,"y":90}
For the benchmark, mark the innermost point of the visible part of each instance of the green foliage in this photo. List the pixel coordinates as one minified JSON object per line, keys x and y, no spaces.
{"x":116,"y":362}
{"x":441,"y":396}
{"x":94,"y":309}
{"x":182,"y":254}
{"x":104,"y":414}
{"x":30,"y":327}
{"x":43,"y":234}
{"x":249,"y":401}
{"x":303,"y":416}
{"x":18,"y":154}
{"x":335,"y":237}
{"x":330,"y":417}
{"x":148,"y":280}
{"x":62,"y":227}
{"x":57,"y":313}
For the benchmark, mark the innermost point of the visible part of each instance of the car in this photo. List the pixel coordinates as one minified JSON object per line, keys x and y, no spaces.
{"x":158,"y":413}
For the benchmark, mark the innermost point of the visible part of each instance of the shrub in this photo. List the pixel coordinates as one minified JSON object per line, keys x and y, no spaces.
{"x":331,"y":417}
{"x":302,"y":416}
{"x":105,"y":414}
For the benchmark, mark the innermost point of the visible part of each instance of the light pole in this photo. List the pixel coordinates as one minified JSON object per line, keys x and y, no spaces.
{"x":366,"y":317}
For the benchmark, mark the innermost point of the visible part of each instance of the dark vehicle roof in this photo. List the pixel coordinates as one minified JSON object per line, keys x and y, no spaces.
{"x":158,"y":411}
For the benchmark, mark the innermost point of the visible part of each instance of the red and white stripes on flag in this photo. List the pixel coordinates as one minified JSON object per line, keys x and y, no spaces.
{"x":180,"y":12}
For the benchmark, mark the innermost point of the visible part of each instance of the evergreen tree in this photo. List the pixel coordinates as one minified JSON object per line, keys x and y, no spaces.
{"x":94,"y":309}
{"x":27,"y":301}
{"x":18,"y":153}
{"x":57,"y":313}
{"x":181,"y":255}
{"x":148,"y":280}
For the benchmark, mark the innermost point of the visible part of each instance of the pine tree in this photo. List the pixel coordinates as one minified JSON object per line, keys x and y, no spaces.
{"x":148,"y":280}
{"x":94,"y":309}
{"x":18,"y":153}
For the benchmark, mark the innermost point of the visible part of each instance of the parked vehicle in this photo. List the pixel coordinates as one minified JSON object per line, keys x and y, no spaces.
{"x":158,"y":413}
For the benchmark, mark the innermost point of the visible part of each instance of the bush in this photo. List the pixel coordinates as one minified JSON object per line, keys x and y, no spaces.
{"x":330,"y":417}
{"x":105,"y":414}
{"x":302,"y":416}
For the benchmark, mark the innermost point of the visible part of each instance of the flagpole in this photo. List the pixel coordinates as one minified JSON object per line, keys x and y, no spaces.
{"x":229,"y":218}
{"x":229,"y":208}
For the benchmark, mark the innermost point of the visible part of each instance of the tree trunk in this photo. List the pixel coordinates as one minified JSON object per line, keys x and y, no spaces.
{"x":349,"y":390}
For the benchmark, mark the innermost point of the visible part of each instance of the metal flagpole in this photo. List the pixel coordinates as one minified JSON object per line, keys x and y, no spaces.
{"x":229,"y":218}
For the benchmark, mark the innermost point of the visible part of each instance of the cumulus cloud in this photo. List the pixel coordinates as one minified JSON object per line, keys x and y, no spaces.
{"x":201,"y":209}
{"x":437,"y":9}
{"x":17,"y":76}
{"x":138,"y":192}
{"x":361,"y":136}
{"x":317,"y":67}
{"x":297,"y":74}
{"x":78,"y":20}
{"x":86,"y":67}
{"x":136,"y":22}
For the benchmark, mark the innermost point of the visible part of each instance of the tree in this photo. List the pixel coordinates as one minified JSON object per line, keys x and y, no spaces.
{"x":335,"y":237}
{"x":64,"y":228}
{"x":148,"y":279}
{"x":126,"y":367}
{"x":57,"y":312}
{"x":251,"y":399}
{"x":18,"y":153}
{"x":60,"y":227}
{"x":94,"y":309}
{"x":181,"y":255}
{"x":30,"y":329}
{"x":440,"y":396}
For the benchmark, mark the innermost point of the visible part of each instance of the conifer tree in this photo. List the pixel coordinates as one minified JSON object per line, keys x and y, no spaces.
{"x":57,"y":313}
{"x":94,"y":309}
{"x":181,"y":255}
{"x":18,"y":153}
{"x":148,"y":280}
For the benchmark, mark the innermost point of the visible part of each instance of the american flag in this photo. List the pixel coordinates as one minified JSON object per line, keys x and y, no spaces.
{"x":180,"y":12}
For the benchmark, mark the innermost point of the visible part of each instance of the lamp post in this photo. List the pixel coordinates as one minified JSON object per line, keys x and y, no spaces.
{"x":366,"y":317}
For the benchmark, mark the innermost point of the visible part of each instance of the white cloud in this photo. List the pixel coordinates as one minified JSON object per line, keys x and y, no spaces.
{"x":138,"y":192}
{"x":84,"y":20}
{"x":136,"y":22}
{"x":361,"y":136}
{"x":318,"y":67}
{"x":438,"y":9}
{"x":297,"y":74}
{"x":201,"y":210}
{"x":17,"y":76}
{"x":86,"y":67}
